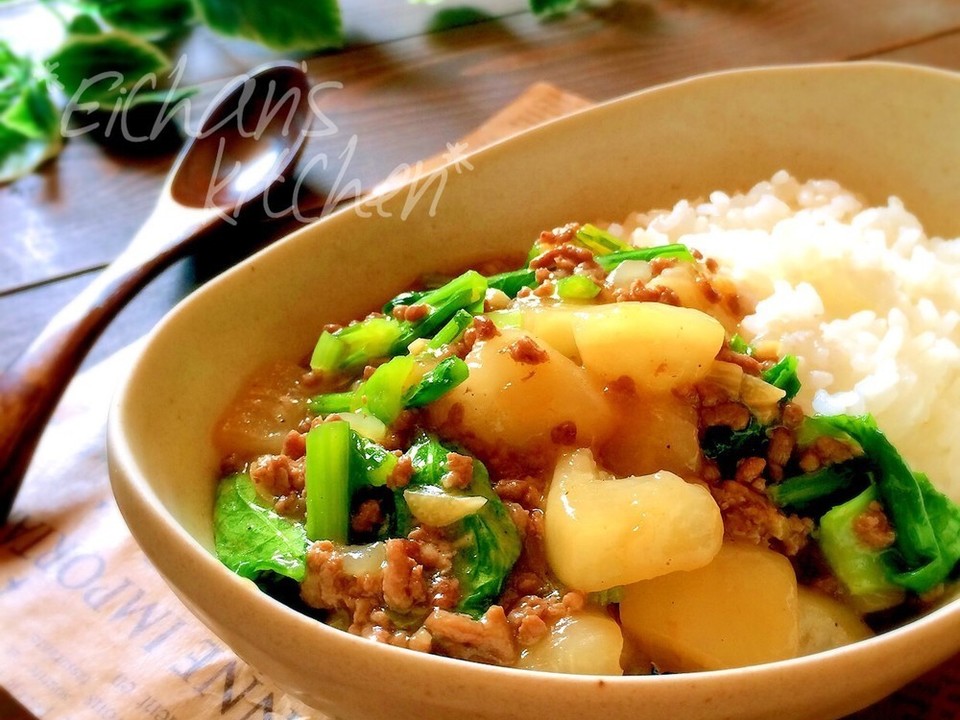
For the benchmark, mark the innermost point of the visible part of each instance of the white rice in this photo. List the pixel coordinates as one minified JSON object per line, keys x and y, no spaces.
{"x":868,"y":303}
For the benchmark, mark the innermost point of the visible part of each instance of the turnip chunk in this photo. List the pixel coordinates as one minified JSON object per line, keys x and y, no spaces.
{"x":658,"y":346}
{"x":602,"y":531}
{"x":511,"y":403}
{"x":588,"y":643}
{"x":826,"y":623}
{"x":554,"y":324}
{"x":741,"y":609}
{"x":656,"y":432}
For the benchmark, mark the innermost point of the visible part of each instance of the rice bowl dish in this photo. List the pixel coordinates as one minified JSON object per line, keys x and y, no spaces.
{"x":569,"y":466}
{"x":161,"y":469}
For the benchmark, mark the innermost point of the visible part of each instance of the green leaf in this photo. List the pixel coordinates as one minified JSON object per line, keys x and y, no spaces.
{"x":784,"y":376}
{"x":926,"y":522}
{"x":465,"y":292}
{"x":290,"y":25}
{"x":726,"y":446}
{"x":860,"y":568}
{"x":489,"y":545}
{"x":250,"y":538}
{"x":383,"y":392}
{"x":739,"y":345}
{"x":404,"y":299}
{"x":84,"y":24}
{"x":32,"y":114}
{"x":436,"y":383}
{"x":372,"y":463}
{"x":102,"y":68}
{"x":452,"y":331}
{"x":487,"y":542}
{"x":812,"y":494}
{"x":29,"y":121}
{"x":553,"y":7}
{"x":152,"y":18}
{"x":355,"y":345}
{"x":511,"y":283}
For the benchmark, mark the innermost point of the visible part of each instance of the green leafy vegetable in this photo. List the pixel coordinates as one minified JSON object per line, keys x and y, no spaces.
{"x":289,"y":25}
{"x":726,"y":446}
{"x":675,"y":251}
{"x":404,"y":299}
{"x":356,"y":344}
{"x":436,"y":383}
{"x":250,"y":538}
{"x":373,"y":463}
{"x":488,"y":548}
{"x":577,"y":287}
{"x":153,"y":18}
{"x":553,"y":7}
{"x":488,"y":542}
{"x":332,"y":403}
{"x":450,"y":332}
{"x":327,"y":481}
{"x":29,"y":121}
{"x":814,"y":493}
{"x":328,"y":353}
{"x":739,"y":345}
{"x":465,"y":292}
{"x":859,"y":567}
{"x":784,"y":376}
{"x":926,"y":522}
{"x":382,"y":395}
{"x":511,"y":283}
{"x":105,"y":68}
{"x":600,"y":241}
{"x":84,"y":24}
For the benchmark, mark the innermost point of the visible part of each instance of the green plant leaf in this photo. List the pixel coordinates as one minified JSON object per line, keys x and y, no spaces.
{"x":151,"y":18}
{"x":29,"y":121}
{"x":251,"y":539}
{"x":488,"y":543}
{"x":545,"y":8}
{"x":84,"y":24}
{"x":291,"y":25}
{"x":101,"y":68}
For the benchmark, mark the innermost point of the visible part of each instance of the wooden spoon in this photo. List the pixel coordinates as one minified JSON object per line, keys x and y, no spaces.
{"x":246,"y":144}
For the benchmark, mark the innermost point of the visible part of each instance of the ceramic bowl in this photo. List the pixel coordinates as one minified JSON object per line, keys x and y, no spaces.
{"x":880,"y":129}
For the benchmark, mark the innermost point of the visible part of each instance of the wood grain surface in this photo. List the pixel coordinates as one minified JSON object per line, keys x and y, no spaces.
{"x":409,"y":87}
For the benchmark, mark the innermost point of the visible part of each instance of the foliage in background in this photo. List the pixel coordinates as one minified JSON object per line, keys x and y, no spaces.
{"x":115,"y":56}
{"x":29,"y":121}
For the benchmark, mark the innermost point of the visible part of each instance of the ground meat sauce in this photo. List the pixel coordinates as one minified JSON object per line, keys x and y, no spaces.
{"x":407,"y":592}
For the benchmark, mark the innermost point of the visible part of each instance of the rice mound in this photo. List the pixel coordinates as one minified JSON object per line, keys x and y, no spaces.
{"x":866,"y":301}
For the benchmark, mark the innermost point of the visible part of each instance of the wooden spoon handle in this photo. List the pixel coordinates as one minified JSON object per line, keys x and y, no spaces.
{"x":31,"y":387}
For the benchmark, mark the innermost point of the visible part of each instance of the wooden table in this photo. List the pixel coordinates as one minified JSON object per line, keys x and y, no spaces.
{"x":409,"y":88}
